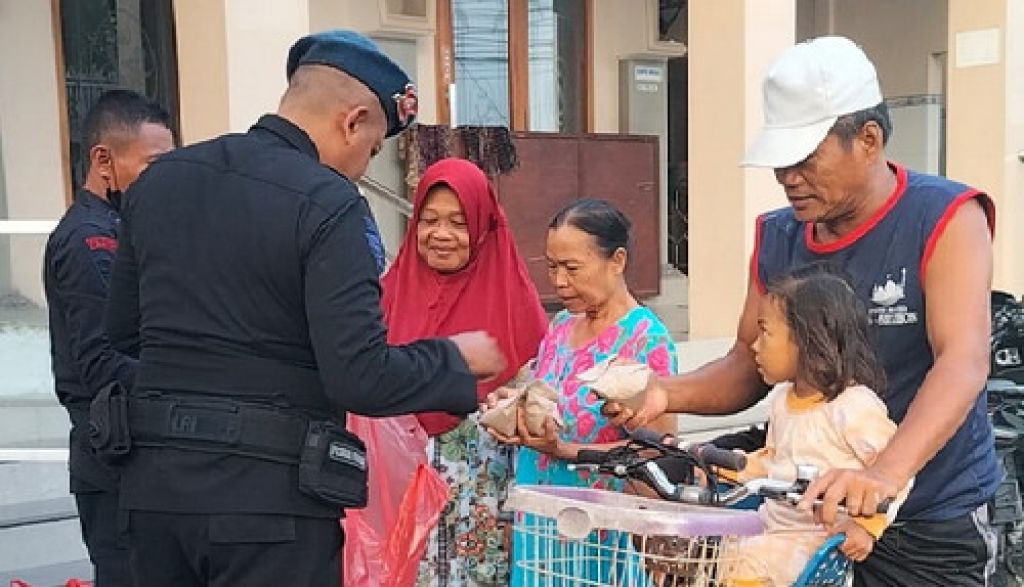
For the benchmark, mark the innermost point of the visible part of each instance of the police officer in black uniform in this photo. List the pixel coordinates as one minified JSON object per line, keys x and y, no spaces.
{"x":250,"y":263}
{"x":122,"y":134}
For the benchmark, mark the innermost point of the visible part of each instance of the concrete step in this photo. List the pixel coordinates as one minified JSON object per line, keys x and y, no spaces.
{"x":43,"y":554}
{"x":55,"y":575}
{"x":33,"y":422}
{"x":40,"y":538}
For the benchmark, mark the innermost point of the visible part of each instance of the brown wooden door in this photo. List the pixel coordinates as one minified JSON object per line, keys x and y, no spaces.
{"x":556,"y":169}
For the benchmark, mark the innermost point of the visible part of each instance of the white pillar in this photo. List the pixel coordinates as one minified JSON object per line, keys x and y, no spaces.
{"x":731,"y":45}
{"x":34,"y":151}
{"x":231,"y":61}
{"x":985,"y":118}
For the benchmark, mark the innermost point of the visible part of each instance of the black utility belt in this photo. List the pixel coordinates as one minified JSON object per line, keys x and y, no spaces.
{"x":331,"y":461}
{"x":219,"y":426}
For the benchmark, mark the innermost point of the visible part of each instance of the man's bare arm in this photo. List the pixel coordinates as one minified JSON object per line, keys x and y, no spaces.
{"x":723,"y":386}
{"x":726,"y":385}
{"x":957,"y":290}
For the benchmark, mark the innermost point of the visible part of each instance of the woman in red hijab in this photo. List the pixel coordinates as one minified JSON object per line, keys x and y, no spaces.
{"x":459,"y":270}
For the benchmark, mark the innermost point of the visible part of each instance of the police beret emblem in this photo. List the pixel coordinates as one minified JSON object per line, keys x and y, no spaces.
{"x":408,"y":105}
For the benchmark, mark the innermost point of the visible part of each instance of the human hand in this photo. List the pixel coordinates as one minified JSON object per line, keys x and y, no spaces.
{"x":481,"y":352}
{"x":860,"y":491}
{"x":514,"y":440}
{"x":757,"y":466}
{"x":548,"y":442}
{"x":859,"y":542}
{"x":492,"y":399}
{"x":654,"y":406}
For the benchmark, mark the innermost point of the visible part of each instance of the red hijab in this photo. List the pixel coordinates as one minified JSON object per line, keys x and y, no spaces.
{"x":493,"y":292}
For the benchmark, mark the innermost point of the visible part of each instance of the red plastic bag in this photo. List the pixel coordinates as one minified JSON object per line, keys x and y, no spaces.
{"x":385,"y":541}
{"x":70,"y":583}
{"x":417,"y":516}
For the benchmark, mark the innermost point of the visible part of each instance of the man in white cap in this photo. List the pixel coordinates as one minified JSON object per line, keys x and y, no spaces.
{"x":918,"y":250}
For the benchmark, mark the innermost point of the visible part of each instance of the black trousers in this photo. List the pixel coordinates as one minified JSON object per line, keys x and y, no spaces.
{"x":226,"y":550}
{"x":947,"y":553}
{"x":108,"y":550}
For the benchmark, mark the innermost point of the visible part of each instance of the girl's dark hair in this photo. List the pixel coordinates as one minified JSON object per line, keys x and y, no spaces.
{"x":598,"y":218}
{"x":829,"y":325}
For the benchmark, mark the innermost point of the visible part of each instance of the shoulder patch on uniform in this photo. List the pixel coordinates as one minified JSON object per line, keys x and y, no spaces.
{"x":376,"y":243}
{"x":101,"y":243}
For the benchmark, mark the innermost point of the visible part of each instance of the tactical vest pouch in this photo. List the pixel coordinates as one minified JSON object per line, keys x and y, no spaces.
{"x":109,"y":433}
{"x":332,"y":465}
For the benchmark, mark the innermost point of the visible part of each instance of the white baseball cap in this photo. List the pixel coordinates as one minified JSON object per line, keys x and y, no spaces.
{"x":806,"y":90}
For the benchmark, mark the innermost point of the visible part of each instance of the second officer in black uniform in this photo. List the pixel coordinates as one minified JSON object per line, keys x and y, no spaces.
{"x":248,"y":264}
{"x":123,"y":133}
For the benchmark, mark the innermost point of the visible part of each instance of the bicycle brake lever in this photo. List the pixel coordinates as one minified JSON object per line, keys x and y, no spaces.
{"x":765,"y":487}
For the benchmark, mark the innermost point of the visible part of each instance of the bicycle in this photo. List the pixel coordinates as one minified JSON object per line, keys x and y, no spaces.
{"x":687,"y":538}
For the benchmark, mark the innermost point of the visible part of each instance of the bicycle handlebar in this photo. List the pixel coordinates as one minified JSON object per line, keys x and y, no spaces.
{"x":720,"y":457}
{"x":649,"y":437}
{"x":591,"y":457}
{"x":707,"y":453}
{"x":791,"y":492}
{"x":669,"y":473}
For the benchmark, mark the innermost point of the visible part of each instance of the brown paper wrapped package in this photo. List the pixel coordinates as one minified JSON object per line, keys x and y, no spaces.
{"x":538,"y":400}
{"x":502,"y":417}
{"x":619,"y":380}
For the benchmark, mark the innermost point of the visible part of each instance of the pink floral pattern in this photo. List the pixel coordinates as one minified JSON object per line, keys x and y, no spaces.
{"x":638,"y":335}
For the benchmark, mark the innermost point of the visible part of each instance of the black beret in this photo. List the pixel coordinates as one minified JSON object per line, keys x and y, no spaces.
{"x":360,"y":57}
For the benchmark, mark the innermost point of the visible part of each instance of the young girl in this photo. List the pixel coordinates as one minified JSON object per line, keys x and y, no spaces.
{"x":813,"y":343}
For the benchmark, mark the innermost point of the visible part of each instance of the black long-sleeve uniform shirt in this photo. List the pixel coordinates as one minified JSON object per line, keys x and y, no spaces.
{"x":76,"y":276}
{"x":249,"y":270}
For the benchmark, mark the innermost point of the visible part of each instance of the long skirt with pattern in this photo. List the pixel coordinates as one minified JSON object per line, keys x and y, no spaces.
{"x":467,"y":548}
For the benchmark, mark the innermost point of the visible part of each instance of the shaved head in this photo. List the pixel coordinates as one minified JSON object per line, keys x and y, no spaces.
{"x":342,"y":117}
{"x":321,"y":89}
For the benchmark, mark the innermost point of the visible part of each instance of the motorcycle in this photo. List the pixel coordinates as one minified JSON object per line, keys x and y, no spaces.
{"x":1006,"y":413}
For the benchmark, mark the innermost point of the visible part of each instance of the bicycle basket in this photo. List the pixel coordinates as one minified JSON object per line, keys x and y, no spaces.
{"x":569,"y":536}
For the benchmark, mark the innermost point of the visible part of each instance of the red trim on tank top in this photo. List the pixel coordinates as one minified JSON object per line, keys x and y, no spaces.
{"x":867,"y":225}
{"x":947,"y":215}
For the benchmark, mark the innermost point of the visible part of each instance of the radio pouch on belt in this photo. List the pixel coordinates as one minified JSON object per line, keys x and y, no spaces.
{"x":332,"y":465}
{"x":108,"y":423}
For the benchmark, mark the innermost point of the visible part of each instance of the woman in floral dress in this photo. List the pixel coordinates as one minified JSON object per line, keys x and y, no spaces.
{"x":587,"y":249}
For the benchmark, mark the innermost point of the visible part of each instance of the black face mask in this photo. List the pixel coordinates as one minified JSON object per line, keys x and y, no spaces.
{"x":114,"y":196}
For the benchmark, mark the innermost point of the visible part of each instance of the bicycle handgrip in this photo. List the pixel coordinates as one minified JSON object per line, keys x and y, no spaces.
{"x":591,"y":457}
{"x":883,"y":506}
{"x":720,"y":457}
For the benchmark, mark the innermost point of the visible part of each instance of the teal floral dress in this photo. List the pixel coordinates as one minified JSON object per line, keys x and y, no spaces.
{"x":639,"y":335}
{"x":468,"y":546}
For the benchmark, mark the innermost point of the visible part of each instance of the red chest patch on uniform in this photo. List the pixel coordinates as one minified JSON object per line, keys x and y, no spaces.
{"x":101,"y":243}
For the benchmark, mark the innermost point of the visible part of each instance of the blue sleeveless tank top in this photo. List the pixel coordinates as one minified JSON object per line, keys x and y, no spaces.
{"x":887,"y":259}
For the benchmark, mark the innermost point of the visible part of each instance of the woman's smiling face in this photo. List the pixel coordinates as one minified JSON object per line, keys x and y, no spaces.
{"x":442,"y":234}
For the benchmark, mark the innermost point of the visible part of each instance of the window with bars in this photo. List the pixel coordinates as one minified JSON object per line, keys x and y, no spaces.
{"x":518,"y":63}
